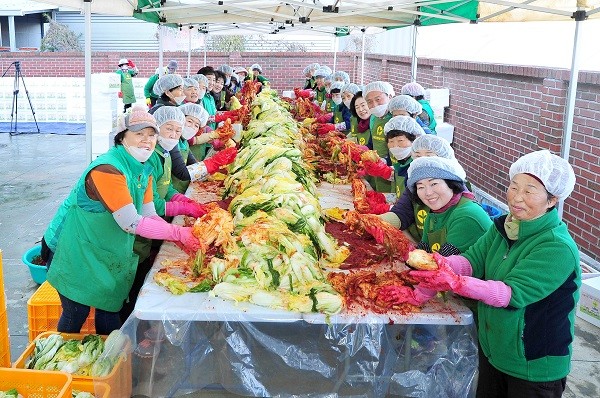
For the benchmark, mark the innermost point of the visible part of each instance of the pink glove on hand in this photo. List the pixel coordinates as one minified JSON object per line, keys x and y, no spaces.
{"x":181,"y":198}
{"x":442,"y":279}
{"x":379,"y":169}
{"x":393,"y":294}
{"x":326,"y":118}
{"x":192,"y":209}
{"x":153,"y":228}
{"x":217,"y":144}
{"x":220,"y":159}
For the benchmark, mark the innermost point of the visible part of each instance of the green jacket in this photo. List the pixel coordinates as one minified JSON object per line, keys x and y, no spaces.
{"x":94,"y":263}
{"x":427,"y":109}
{"x":460,"y":225}
{"x":148,"y":87}
{"x":127,"y":85}
{"x":532,"y":338}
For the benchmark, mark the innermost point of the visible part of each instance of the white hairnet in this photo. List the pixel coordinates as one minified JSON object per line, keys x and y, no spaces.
{"x":166,"y":83}
{"x":433,"y":143}
{"x":228,"y":70}
{"x":413,"y":89}
{"x":195,"y":110}
{"x":166,"y":114}
{"x":313,"y":67}
{"x":337,"y":86}
{"x":351,"y":88}
{"x":405,"y":102}
{"x":189,"y":82}
{"x":327,"y":79}
{"x":340,"y":74}
{"x":257,"y":67}
{"x":123,"y":61}
{"x":434,"y":167}
{"x":404,"y":123}
{"x":554,"y":172}
{"x":383,"y":87}
{"x":201,"y":79}
{"x":323,"y":71}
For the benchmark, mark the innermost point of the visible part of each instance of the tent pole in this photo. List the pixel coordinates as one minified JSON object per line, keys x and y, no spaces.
{"x":205,"y":44}
{"x":87,"y":10}
{"x":413,"y":62}
{"x":362,"y":59}
{"x":579,"y":16}
{"x":335,"y":49}
{"x":189,"y":64}
{"x":160,"y":50}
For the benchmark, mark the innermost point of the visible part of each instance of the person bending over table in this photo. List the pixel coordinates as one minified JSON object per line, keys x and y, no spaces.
{"x":525,"y":273}
{"x":90,"y":239}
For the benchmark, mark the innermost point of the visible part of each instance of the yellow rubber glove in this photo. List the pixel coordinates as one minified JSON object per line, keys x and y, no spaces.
{"x":235,"y":104}
{"x":148,"y":102}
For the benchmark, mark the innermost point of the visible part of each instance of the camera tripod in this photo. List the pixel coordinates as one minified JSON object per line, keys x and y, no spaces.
{"x":14,"y":118}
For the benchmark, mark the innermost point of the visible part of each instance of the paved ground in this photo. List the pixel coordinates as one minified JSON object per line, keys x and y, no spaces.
{"x":37,"y":173}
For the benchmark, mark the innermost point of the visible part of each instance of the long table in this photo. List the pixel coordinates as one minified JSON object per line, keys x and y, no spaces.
{"x":199,"y":343}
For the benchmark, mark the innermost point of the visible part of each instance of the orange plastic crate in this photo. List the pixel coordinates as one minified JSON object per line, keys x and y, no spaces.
{"x":2,"y":294}
{"x":100,"y":390}
{"x":44,"y":310}
{"x":4,"y":341}
{"x":36,"y":383}
{"x":119,"y":379}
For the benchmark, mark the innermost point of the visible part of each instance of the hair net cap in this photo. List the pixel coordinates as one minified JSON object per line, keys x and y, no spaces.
{"x":337,"y":86}
{"x":383,"y":87}
{"x":413,"y":89}
{"x":166,"y":114}
{"x":166,"y":83}
{"x":123,"y":61}
{"x":172,"y":64}
{"x":257,"y":67}
{"x":195,"y":110}
{"x":404,"y":123}
{"x":228,"y":70}
{"x":406,"y":103}
{"x":342,"y":75}
{"x":434,"y":167}
{"x":323,"y":71}
{"x":136,"y":119}
{"x":189,"y":82}
{"x":351,"y":88}
{"x":554,"y":172}
{"x":433,"y":143}
{"x":201,"y":79}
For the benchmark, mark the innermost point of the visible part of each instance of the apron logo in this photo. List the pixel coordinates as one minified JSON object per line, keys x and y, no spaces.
{"x":380,"y":130}
{"x":362,"y":141}
{"x":435,"y":247}
{"x":421,"y":216}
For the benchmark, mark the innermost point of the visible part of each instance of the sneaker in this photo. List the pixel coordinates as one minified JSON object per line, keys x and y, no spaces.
{"x":145,"y":349}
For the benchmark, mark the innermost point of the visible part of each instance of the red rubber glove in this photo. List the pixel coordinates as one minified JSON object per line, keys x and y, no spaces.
{"x":355,"y":150}
{"x":326,"y":118}
{"x":192,"y":209}
{"x":303,"y":93}
{"x":222,"y":116}
{"x":120,"y":94}
{"x":377,"y":202}
{"x":130,"y":64}
{"x":442,"y":279}
{"x":181,"y":198}
{"x":220,"y":159}
{"x":325,"y":128}
{"x":379,"y":169}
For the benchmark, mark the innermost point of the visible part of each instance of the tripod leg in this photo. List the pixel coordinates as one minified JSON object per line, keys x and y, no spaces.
{"x":29,"y":99}
{"x":15,"y":106}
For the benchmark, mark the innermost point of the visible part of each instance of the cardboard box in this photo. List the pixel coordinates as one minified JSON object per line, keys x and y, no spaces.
{"x":588,"y":307}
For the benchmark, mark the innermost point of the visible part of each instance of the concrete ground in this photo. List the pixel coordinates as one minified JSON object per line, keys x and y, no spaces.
{"x":37,"y":173}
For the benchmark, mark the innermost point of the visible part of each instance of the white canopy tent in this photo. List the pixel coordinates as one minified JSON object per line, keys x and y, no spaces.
{"x":273,"y":16}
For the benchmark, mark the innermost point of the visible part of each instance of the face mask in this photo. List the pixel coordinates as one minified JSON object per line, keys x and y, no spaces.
{"x":400,"y":153}
{"x":337,"y":101}
{"x":167,"y":143}
{"x":188,"y":132}
{"x":347,"y":103}
{"x":139,"y":154}
{"x":179,"y":100}
{"x":379,"y":110}
{"x":124,"y":67}
{"x":201,"y":93}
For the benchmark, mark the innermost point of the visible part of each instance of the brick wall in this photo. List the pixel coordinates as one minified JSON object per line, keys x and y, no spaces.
{"x":499,"y":111}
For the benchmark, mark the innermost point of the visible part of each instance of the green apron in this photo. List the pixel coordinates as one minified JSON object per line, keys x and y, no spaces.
{"x":436,"y":238}
{"x":399,"y":180}
{"x":208,"y":103}
{"x":127,"y":86}
{"x":337,"y":115}
{"x":416,"y":230}
{"x":329,"y":105}
{"x":180,"y":185}
{"x":427,"y":109}
{"x":379,"y":145}
{"x":321,"y":95}
{"x":310,"y":83}
{"x":362,"y":138}
{"x":94,"y":263}
{"x":163,"y":180}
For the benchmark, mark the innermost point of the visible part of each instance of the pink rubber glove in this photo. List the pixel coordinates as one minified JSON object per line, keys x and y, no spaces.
{"x":152,"y":228}
{"x":442,"y":279}
{"x":220,"y":159}
{"x":192,"y":209}
{"x":393,"y":294}
{"x":217,"y":144}
{"x":326,"y":118}
{"x":181,"y":198}
{"x":379,"y":169}
{"x":494,"y":293}
{"x":325,"y":128}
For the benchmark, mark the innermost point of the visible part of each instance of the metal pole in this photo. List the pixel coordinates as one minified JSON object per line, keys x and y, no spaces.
{"x":189,"y":50}
{"x":160,"y":51}
{"x":11,"y":33}
{"x":362,"y":60}
{"x":572,"y":94}
{"x":205,"y":44}
{"x":413,"y":62}
{"x":87,"y":9}
{"x":335,"y":49}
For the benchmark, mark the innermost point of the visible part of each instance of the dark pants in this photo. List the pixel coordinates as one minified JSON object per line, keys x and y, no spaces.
{"x":74,"y":315}
{"x":126,"y":106}
{"x":496,"y":384}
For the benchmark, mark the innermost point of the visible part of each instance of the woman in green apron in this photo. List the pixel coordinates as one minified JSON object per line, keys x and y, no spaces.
{"x":339,"y":118}
{"x":407,"y":214}
{"x":417,"y":91}
{"x":320,"y":89}
{"x":92,"y":263}
{"x":309,"y":73}
{"x":405,"y":105}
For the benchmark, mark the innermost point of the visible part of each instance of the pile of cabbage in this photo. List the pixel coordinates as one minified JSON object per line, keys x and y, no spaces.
{"x":90,"y":356}
{"x":281,"y":244}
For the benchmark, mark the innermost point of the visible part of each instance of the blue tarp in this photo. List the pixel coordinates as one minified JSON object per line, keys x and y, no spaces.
{"x":45,"y":128}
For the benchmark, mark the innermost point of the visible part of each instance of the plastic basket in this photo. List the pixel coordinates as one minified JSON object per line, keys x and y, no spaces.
{"x":38,"y":272}
{"x":100,"y":390}
{"x":36,"y":383}
{"x":118,"y":380}
{"x":44,"y":310}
